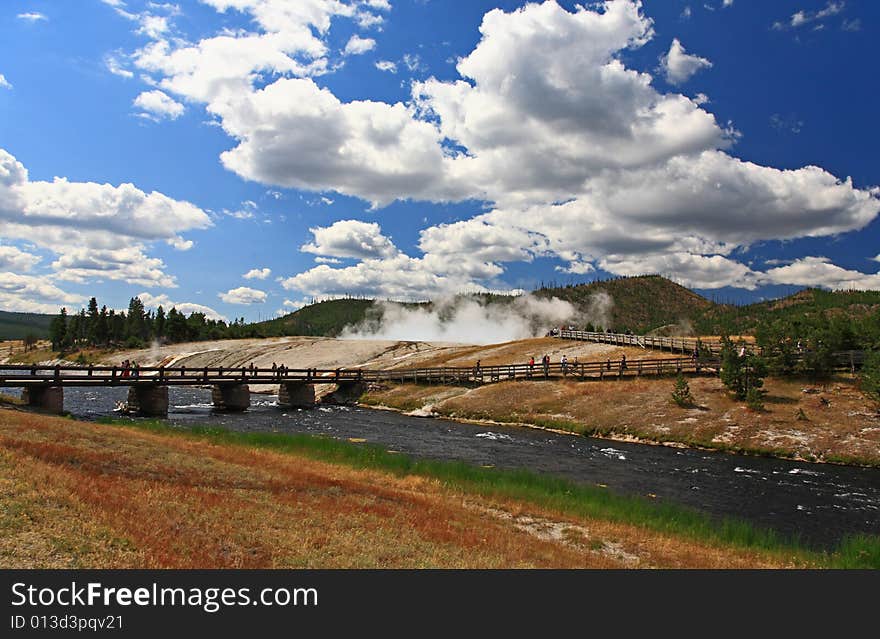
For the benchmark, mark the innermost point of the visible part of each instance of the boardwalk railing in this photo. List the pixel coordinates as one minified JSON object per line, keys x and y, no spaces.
{"x":573,"y":370}
{"x":26,"y":375}
{"x":672,"y":344}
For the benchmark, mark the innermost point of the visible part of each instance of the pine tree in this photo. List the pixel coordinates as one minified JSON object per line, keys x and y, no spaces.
{"x":159,"y":323}
{"x":741,"y":372}
{"x":58,"y":330}
{"x":91,"y":328}
{"x":681,"y":392}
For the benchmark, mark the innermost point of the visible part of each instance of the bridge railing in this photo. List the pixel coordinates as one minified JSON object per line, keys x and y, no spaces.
{"x":674,"y":344}
{"x":573,"y":369}
{"x":22,"y":374}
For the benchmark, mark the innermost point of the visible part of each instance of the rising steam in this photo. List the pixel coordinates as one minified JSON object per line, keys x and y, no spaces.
{"x":463,"y":319}
{"x":598,"y":311}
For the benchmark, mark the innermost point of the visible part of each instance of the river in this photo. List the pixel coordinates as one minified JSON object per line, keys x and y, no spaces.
{"x":818,"y":502}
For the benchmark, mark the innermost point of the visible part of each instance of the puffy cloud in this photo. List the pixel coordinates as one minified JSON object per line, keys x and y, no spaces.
{"x":257,"y":274}
{"x":384,"y":271}
{"x":217,"y":68}
{"x":819,"y":271}
{"x":553,"y":78}
{"x":179,"y":243}
{"x":126,"y":264}
{"x":357,"y":45}
{"x":4,"y":83}
{"x":156,"y":105}
{"x":350,"y":238}
{"x":97,"y":230}
{"x":293,"y":133}
{"x":679,"y":66}
{"x":243,"y":295}
{"x":12,"y":258}
{"x":701,"y":206}
{"x":697,"y":271}
{"x":86,"y":213}
{"x":32,"y":294}
{"x":400,"y":277}
{"x":386,"y":65}
{"x":187,"y":308}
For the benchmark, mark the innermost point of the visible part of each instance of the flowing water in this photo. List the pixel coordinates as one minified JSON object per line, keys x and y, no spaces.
{"x":818,"y":502}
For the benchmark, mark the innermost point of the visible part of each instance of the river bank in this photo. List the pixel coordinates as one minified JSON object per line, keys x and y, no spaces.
{"x":831,"y":422}
{"x":76,"y":494}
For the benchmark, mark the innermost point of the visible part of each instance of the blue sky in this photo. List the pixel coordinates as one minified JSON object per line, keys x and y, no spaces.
{"x":243,"y":157}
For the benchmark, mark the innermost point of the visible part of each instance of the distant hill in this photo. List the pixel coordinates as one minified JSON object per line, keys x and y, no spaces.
{"x":803,"y":304}
{"x":20,"y":325}
{"x":324,"y":319}
{"x":637,"y":304}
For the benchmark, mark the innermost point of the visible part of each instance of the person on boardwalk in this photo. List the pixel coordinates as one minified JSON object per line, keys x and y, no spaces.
{"x":564,"y":362}
{"x":546,"y":362}
{"x":531,"y":365}
{"x":622,"y":363}
{"x":125,"y":368}
{"x":478,"y":372}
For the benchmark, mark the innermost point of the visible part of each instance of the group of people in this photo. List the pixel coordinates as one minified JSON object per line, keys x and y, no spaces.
{"x":545,"y":364}
{"x":129,"y":368}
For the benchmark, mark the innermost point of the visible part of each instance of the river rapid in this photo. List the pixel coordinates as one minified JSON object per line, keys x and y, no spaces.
{"x":820,"y":503}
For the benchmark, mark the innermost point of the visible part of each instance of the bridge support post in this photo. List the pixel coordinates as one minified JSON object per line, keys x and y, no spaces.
{"x":148,"y":400}
{"x":348,"y":392}
{"x":231,"y":397}
{"x":47,"y":398}
{"x":296,"y":395}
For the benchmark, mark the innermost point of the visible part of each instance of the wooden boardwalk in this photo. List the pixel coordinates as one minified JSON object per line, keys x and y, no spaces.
{"x":672,"y":344}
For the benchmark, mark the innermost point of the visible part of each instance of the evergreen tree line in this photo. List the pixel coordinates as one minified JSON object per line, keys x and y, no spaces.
{"x":809,"y":344}
{"x":101,"y":328}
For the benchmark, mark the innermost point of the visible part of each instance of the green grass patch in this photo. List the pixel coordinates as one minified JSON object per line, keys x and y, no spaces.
{"x":551,"y":492}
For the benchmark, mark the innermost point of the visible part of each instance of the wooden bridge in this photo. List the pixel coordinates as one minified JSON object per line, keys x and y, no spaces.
{"x":148,"y":386}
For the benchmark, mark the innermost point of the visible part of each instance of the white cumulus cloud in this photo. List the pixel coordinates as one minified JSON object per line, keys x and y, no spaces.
{"x":243,"y":295}
{"x":357,"y":45}
{"x":257,"y":274}
{"x":156,"y":105}
{"x":679,"y":66}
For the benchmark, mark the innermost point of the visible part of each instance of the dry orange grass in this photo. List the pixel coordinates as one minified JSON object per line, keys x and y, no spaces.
{"x":76,"y":494}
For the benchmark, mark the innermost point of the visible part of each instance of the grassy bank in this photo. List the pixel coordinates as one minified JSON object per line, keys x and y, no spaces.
{"x":550,"y":493}
{"x":829,"y":422}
